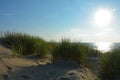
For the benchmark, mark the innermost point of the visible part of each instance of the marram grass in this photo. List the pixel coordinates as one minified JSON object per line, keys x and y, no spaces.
{"x":70,"y":51}
{"x":110,"y":63}
{"x":24,"y":44}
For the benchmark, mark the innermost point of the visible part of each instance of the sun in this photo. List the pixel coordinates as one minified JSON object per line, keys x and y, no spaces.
{"x":102,"y":17}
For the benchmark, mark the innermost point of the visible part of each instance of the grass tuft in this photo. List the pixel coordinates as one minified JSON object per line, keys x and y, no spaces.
{"x":110,"y":63}
{"x":24,"y":44}
{"x":70,"y":51}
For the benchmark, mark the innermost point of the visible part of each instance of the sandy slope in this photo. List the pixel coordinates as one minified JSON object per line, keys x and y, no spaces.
{"x":16,"y":68}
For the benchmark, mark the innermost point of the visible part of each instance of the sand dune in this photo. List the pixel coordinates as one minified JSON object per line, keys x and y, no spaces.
{"x":24,"y":68}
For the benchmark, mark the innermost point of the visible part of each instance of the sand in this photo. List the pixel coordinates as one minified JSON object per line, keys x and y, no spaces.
{"x":30,"y":68}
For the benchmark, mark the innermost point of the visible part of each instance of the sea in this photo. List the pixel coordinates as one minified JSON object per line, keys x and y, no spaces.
{"x":103,"y":46}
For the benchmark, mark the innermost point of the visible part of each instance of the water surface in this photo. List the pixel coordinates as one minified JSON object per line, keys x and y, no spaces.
{"x":104,"y":46}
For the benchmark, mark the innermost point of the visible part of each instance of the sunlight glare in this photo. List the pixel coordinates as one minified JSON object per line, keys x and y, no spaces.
{"x":102,"y":17}
{"x":103,"y":46}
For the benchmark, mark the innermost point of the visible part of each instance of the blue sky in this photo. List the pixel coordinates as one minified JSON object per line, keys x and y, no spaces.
{"x":56,"y":19}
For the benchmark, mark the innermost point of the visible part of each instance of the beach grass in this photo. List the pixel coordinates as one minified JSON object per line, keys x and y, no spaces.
{"x":110,"y":64}
{"x":70,"y":51}
{"x":24,"y":44}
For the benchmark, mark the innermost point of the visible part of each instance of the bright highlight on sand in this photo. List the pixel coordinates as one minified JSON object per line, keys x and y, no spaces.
{"x":102,"y":17}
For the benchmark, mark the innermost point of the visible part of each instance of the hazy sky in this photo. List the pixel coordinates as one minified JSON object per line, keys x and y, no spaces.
{"x":56,"y":19}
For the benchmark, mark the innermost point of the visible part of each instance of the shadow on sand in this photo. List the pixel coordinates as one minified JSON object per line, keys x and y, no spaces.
{"x":54,"y":71}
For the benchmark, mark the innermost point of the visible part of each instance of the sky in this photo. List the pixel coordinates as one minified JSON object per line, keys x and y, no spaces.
{"x":57,"y":19}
